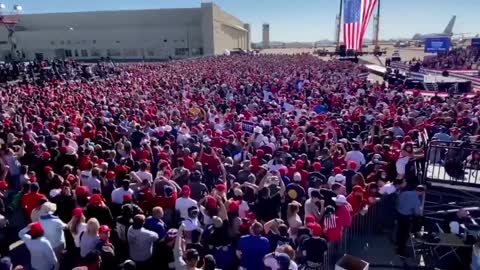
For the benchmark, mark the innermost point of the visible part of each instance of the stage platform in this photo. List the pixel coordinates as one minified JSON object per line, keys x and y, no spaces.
{"x":443,"y":82}
{"x":441,"y":79}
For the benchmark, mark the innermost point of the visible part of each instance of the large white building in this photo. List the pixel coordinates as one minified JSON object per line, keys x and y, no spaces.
{"x":128,"y":35}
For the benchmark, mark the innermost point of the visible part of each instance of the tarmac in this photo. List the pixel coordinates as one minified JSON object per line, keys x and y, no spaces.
{"x":406,"y":54}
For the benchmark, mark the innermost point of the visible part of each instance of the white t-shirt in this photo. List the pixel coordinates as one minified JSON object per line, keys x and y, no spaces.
{"x":118,"y":193}
{"x":182,"y":204}
{"x":401,"y":165}
{"x":355,"y":156}
{"x":243,"y":209}
{"x":144,"y":175}
{"x":274,"y":167}
{"x":191,"y":224}
{"x":81,"y":227}
{"x":388,"y":188}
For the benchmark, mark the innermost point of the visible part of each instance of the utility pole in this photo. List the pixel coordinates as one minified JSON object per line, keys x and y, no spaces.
{"x":376,"y":30}
{"x":339,"y":26}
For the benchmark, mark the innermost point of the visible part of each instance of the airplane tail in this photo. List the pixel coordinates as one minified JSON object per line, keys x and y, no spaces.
{"x":449,"y":29}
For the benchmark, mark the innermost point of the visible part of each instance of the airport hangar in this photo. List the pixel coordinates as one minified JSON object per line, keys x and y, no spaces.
{"x":128,"y":35}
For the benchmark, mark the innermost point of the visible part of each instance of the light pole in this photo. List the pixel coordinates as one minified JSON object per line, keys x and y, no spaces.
{"x":10,"y":20}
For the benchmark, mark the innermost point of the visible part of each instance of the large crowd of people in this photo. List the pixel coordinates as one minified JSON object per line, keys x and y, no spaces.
{"x":455,"y":59}
{"x":227,"y":162}
{"x":41,"y":71}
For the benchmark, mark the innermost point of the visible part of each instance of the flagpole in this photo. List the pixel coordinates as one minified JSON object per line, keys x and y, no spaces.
{"x":376,"y":47}
{"x":339,"y":25}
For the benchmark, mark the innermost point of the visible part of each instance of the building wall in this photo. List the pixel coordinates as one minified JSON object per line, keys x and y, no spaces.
{"x":249,"y":36}
{"x":228,"y":31}
{"x":266,"y":36}
{"x":137,"y":34}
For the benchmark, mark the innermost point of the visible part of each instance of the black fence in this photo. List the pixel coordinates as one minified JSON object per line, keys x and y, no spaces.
{"x":456,"y":163}
{"x":370,"y":221}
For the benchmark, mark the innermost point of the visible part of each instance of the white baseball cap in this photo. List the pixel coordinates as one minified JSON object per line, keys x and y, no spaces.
{"x":340,"y":199}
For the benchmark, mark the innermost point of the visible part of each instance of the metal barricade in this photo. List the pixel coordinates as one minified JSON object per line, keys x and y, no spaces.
{"x":453,"y":163}
{"x":363,"y":226}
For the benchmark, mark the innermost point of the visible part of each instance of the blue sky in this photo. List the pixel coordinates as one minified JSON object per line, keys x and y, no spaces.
{"x":298,"y":20}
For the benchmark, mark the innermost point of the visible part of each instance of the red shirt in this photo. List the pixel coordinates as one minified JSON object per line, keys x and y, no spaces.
{"x":88,"y":134}
{"x":217,"y":142}
{"x":166,"y":202}
{"x":144,"y":155}
{"x":333,"y":234}
{"x":83,"y":162}
{"x":344,"y":218}
{"x":357,"y":203}
{"x":30,"y":201}
{"x":212,"y":163}
{"x":189,"y":162}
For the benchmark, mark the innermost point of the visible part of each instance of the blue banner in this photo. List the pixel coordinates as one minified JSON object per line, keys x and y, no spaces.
{"x":248,"y":126}
{"x":436,"y":45}
{"x":476,"y":42}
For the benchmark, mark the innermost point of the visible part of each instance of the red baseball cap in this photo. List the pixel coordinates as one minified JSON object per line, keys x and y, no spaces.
{"x":211,"y":202}
{"x":186,"y":191}
{"x":77,"y":212}
{"x":315,"y":228}
{"x":110,"y":174}
{"x":127,"y":198}
{"x":81,"y":191}
{"x":104,"y":229}
{"x":233,"y":206}
{"x":337,"y":170}
{"x":317,"y":166}
{"x":46,"y":155}
{"x":47,"y":169}
{"x":3,"y":184}
{"x":96,"y":199}
{"x":309,"y":219}
{"x":36,"y":229}
{"x":220,"y":187}
{"x":352,"y":164}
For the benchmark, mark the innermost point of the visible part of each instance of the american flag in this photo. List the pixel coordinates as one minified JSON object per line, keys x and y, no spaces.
{"x":356,"y":16}
{"x":330,"y":222}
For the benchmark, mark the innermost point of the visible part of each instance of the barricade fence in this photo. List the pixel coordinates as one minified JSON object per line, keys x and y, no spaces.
{"x":363,"y":226}
{"x":453,"y":163}
{"x":424,"y":71}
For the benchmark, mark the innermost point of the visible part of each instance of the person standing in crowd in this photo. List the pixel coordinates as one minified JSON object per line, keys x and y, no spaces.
{"x":53,"y":228}
{"x":31,"y":199}
{"x":140,"y":243}
{"x":259,"y":178}
{"x":42,"y":256}
{"x":315,"y":206}
{"x":106,"y":249}
{"x":89,"y":238}
{"x":98,"y":209}
{"x":355,"y":155}
{"x":119,"y":193}
{"x":76,"y":226}
{"x":185,"y":202}
{"x":252,"y":248}
{"x":314,"y":248}
{"x":155,"y":223}
{"x":409,"y":206}
{"x":343,"y":211}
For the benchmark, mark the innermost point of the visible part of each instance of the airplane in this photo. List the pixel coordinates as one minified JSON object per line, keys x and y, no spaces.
{"x":448,"y":32}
